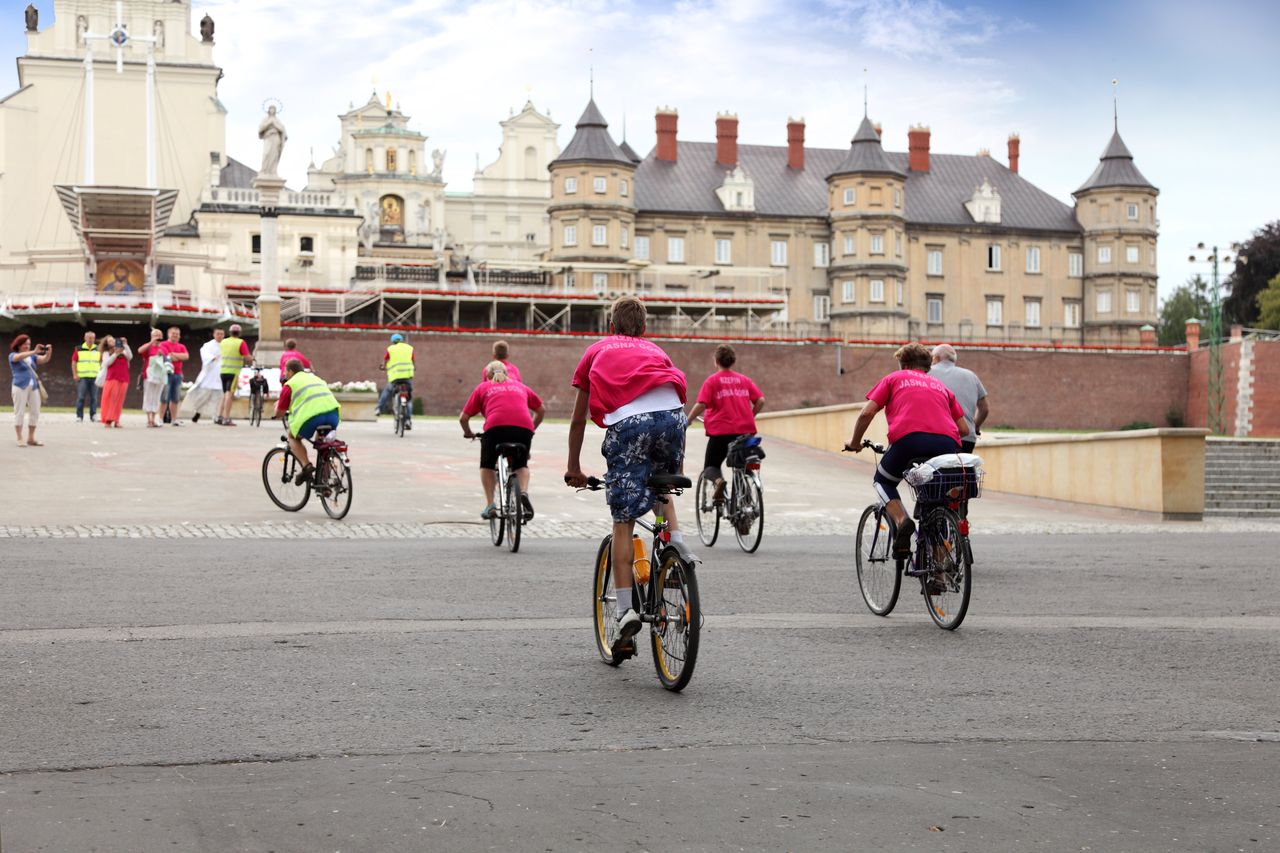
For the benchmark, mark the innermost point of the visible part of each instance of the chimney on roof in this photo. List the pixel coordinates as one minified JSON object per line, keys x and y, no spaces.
{"x":666,"y":120}
{"x":795,"y":143}
{"x":918,"y":148}
{"x":1015,"y":144}
{"x":984,"y":152}
{"x":1147,"y":335}
{"x":879,"y":129}
{"x":726,"y":139}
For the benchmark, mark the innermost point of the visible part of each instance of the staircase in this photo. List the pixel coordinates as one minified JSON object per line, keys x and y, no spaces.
{"x":1241,"y":479}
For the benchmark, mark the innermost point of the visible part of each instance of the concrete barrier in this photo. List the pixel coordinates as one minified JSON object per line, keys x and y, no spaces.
{"x":1158,"y":471}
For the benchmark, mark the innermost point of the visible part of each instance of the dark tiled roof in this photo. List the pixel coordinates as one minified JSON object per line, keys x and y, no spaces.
{"x":866,"y":156}
{"x":237,"y":175}
{"x":629,"y":151}
{"x":936,"y":197}
{"x":591,"y":141}
{"x":1115,"y":169}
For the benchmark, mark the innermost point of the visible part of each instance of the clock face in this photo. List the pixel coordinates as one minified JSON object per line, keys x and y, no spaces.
{"x":119,"y":37}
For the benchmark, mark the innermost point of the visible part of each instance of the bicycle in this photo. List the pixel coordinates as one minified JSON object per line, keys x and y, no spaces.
{"x":401,"y":406}
{"x":743,"y":503}
{"x":666,"y":596}
{"x":509,"y":515}
{"x":257,"y":396}
{"x":941,"y":556}
{"x":331,"y":479}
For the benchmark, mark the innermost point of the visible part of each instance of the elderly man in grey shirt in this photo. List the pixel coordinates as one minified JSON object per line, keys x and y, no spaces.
{"x":968,"y":389}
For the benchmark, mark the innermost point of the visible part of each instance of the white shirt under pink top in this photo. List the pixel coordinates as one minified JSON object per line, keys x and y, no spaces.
{"x":619,"y":370}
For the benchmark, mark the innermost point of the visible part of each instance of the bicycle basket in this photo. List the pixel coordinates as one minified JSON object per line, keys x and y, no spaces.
{"x":949,"y":484}
{"x":745,"y":451}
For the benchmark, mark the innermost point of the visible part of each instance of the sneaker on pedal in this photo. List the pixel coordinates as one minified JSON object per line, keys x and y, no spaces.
{"x":902,"y":541}
{"x":717,"y":497}
{"x":305,"y":474}
{"x":526,"y":507}
{"x":489,"y":512}
{"x":628,"y":626}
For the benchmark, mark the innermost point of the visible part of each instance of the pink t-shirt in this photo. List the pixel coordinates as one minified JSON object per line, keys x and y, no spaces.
{"x":513,"y":372}
{"x":728,"y":397}
{"x":620,"y":368}
{"x":293,"y":353}
{"x":916,"y":402}
{"x":169,"y":348}
{"x":503,"y":404}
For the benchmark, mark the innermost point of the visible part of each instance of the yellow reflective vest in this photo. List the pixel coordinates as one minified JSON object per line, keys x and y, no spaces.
{"x":88,"y":361}
{"x":308,"y":396}
{"x":399,"y":362}
{"x":232,"y":358}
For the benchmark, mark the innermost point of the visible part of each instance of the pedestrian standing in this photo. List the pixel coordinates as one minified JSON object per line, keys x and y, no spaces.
{"x":155,"y":376}
{"x":235,"y":355}
{"x":969,"y":391}
{"x":86,"y":361}
{"x":205,"y":395}
{"x":26,"y":386}
{"x":290,"y":353}
{"x":116,"y":356}
{"x":176,"y":353}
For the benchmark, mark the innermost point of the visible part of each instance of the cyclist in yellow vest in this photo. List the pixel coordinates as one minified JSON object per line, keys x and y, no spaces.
{"x":235,"y":355}
{"x":309,"y":404}
{"x":86,"y":361}
{"x":398,"y":362}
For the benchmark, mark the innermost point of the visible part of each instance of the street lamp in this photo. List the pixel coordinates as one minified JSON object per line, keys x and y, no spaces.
{"x":1213,"y":331}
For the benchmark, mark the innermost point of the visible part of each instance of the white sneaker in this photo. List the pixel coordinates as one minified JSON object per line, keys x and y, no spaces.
{"x":628,"y":625}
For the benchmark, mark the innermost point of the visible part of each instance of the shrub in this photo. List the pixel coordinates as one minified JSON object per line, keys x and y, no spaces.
{"x":417,"y":406}
{"x":1174,"y":417}
{"x":1139,"y":425}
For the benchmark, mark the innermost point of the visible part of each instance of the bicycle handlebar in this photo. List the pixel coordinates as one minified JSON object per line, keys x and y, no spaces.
{"x":594,"y":484}
{"x":876,"y":448}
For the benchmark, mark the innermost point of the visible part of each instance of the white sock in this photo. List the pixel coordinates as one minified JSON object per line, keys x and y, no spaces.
{"x":677,"y":536}
{"x":624,"y":601}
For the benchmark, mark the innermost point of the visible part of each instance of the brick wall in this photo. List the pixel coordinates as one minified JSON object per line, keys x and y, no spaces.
{"x":1266,"y":388}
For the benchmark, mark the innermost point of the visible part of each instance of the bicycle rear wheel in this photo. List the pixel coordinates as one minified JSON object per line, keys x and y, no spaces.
{"x":399,"y":416}
{"x":947,"y":584}
{"x":335,"y":476}
{"x":511,"y":509}
{"x":279,"y":468}
{"x":707,"y":514}
{"x":497,"y":522}
{"x":879,"y":576}
{"x":674,"y":636}
{"x":604,"y":613}
{"x":748,"y":502}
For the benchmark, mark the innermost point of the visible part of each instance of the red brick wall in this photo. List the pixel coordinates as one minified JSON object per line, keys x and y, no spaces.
{"x":1266,"y":388}
{"x":1198,"y":387}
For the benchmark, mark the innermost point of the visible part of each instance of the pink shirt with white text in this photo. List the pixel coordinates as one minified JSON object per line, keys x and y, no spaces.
{"x":916,"y":402}
{"x":729,"y":398}
{"x":618,"y":369}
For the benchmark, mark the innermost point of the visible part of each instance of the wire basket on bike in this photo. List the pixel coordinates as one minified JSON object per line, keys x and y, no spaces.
{"x":945,"y":484}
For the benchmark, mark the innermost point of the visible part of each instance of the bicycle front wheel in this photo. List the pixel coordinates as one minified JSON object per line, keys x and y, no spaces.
{"x":511,"y":509}
{"x":335,"y":496}
{"x":878,"y":575}
{"x":748,"y":500}
{"x":279,"y":468}
{"x":707,"y":513}
{"x":947,"y":583}
{"x":497,"y":522}
{"x":604,"y":611}
{"x":675,"y":632}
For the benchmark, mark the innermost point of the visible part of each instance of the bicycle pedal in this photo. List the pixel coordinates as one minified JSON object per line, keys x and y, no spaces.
{"x":624,"y":651}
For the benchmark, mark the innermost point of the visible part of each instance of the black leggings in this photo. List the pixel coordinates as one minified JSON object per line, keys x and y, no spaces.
{"x":718,"y":449}
{"x":913,"y":445}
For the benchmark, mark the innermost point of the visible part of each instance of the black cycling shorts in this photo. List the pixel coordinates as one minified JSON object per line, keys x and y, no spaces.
{"x":493,"y":436}
{"x":895,"y":462}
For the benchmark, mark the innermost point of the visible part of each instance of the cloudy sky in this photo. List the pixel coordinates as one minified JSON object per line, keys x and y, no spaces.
{"x":1198,"y":82}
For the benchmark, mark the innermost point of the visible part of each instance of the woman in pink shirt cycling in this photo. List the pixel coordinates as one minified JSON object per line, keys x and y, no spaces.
{"x":507,"y":406}
{"x":924,"y":421}
{"x":630,"y":387}
{"x":731,"y":402}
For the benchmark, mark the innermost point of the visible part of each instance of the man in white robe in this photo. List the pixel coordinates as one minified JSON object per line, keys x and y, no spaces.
{"x":206,"y":393}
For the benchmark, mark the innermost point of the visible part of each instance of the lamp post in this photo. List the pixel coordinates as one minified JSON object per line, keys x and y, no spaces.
{"x":1213,"y":331}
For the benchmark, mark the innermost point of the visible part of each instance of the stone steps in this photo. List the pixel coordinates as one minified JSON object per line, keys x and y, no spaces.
{"x":1242,"y":479}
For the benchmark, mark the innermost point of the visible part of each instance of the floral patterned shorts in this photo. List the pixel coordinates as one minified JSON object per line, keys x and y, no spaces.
{"x":635,"y":449}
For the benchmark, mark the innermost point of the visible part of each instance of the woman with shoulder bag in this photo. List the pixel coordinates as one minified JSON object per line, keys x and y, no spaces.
{"x":116,"y":356}
{"x":26,"y":386}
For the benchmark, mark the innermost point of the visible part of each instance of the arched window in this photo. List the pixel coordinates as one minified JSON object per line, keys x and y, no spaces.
{"x":413,"y":162}
{"x":531,"y":162}
{"x":392,"y":160}
{"x":368,"y":159}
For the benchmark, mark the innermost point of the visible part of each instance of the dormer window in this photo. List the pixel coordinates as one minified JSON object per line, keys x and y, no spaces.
{"x":984,"y":205}
{"x":738,"y":192}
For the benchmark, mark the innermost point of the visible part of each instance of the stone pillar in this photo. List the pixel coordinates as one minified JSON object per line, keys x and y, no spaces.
{"x":1147,"y":335}
{"x":1193,"y":335}
{"x":269,"y":345}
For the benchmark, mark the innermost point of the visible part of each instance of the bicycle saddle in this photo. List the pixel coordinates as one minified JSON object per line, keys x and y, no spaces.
{"x":322,"y":431}
{"x":509,"y":448}
{"x":669,"y":481}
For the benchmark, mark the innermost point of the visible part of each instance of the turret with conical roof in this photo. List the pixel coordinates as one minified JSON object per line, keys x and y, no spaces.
{"x":592,"y":208}
{"x":1116,"y":208}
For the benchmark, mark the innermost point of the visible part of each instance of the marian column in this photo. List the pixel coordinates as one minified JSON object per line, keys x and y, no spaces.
{"x":269,"y":186}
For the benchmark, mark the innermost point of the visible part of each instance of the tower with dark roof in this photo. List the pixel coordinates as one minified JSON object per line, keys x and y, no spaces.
{"x":867,"y":269}
{"x":1116,"y":209}
{"x":592,"y":209}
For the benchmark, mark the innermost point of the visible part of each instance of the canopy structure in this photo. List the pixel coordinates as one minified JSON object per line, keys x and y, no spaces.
{"x":117,"y":222}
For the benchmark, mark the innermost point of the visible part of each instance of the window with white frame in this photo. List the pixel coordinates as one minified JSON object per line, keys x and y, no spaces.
{"x":877,"y":290}
{"x":675,"y":250}
{"x":1075,"y":264}
{"x":1071,"y":314}
{"x":846,"y":290}
{"x":570,"y":281}
{"x":1032,"y":313}
{"x":821,"y":254}
{"x":995,"y":311}
{"x":624,"y":237}
{"x":850,"y":195}
{"x":933,"y":310}
{"x":571,"y":235}
{"x":1103,"y":302}
{"x":877,"y":244}
{"x":778,"y":253}
{"x":821,"y":308}
{"x":724,"y":251}
{"x":1132,"y":300}
{"x":1033,"y":259}
{"x":899,"y":293}
{"x":897,"y":198}
{"x":599,"y":235}
{"x":1151,"y":257}
{"x":570,"y":185}
{"x":993,"y":257}
{"x":935,"y":262}
{"x":600,"y":185}
{"x":1104,"y":254}
{"x":849,"y":245}
{"x":897,"y":245}
{"x":1132,"y":212}
{"x":1131,"y":254}
{"x":624,"y":187}
{"x":599,"y":283}
{"x":642,"y":247}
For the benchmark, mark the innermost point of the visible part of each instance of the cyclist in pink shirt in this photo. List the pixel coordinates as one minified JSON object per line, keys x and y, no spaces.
{"x":924,"y":421}
{"x":502,"y":352}
{"x":291,"y":352}
{"x":731,"y":402}
{"x":512,"y":411}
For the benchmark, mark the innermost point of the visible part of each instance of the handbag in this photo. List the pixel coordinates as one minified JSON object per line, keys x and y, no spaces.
{"x":44,"y":394}
{"x":101,"y":378}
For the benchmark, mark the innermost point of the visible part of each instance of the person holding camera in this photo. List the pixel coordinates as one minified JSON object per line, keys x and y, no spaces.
{"x":26,"y":386}
{"x":116,"y":355}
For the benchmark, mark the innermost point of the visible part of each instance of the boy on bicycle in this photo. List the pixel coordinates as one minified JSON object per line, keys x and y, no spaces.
{"x":308,"y":404}
{"x":629,"y":386}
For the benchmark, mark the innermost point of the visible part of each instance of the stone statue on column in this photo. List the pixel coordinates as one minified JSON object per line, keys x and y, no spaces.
{"x":206,"y":29}
{"x":33,"y":18}
{"x":271,"y":132}
{"x":437,"y":162}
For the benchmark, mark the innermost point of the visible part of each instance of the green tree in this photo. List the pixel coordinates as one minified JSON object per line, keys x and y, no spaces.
{"x":1249,"y":278}
{"x":1269,"y":305}
{"x":1187,"y":301}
